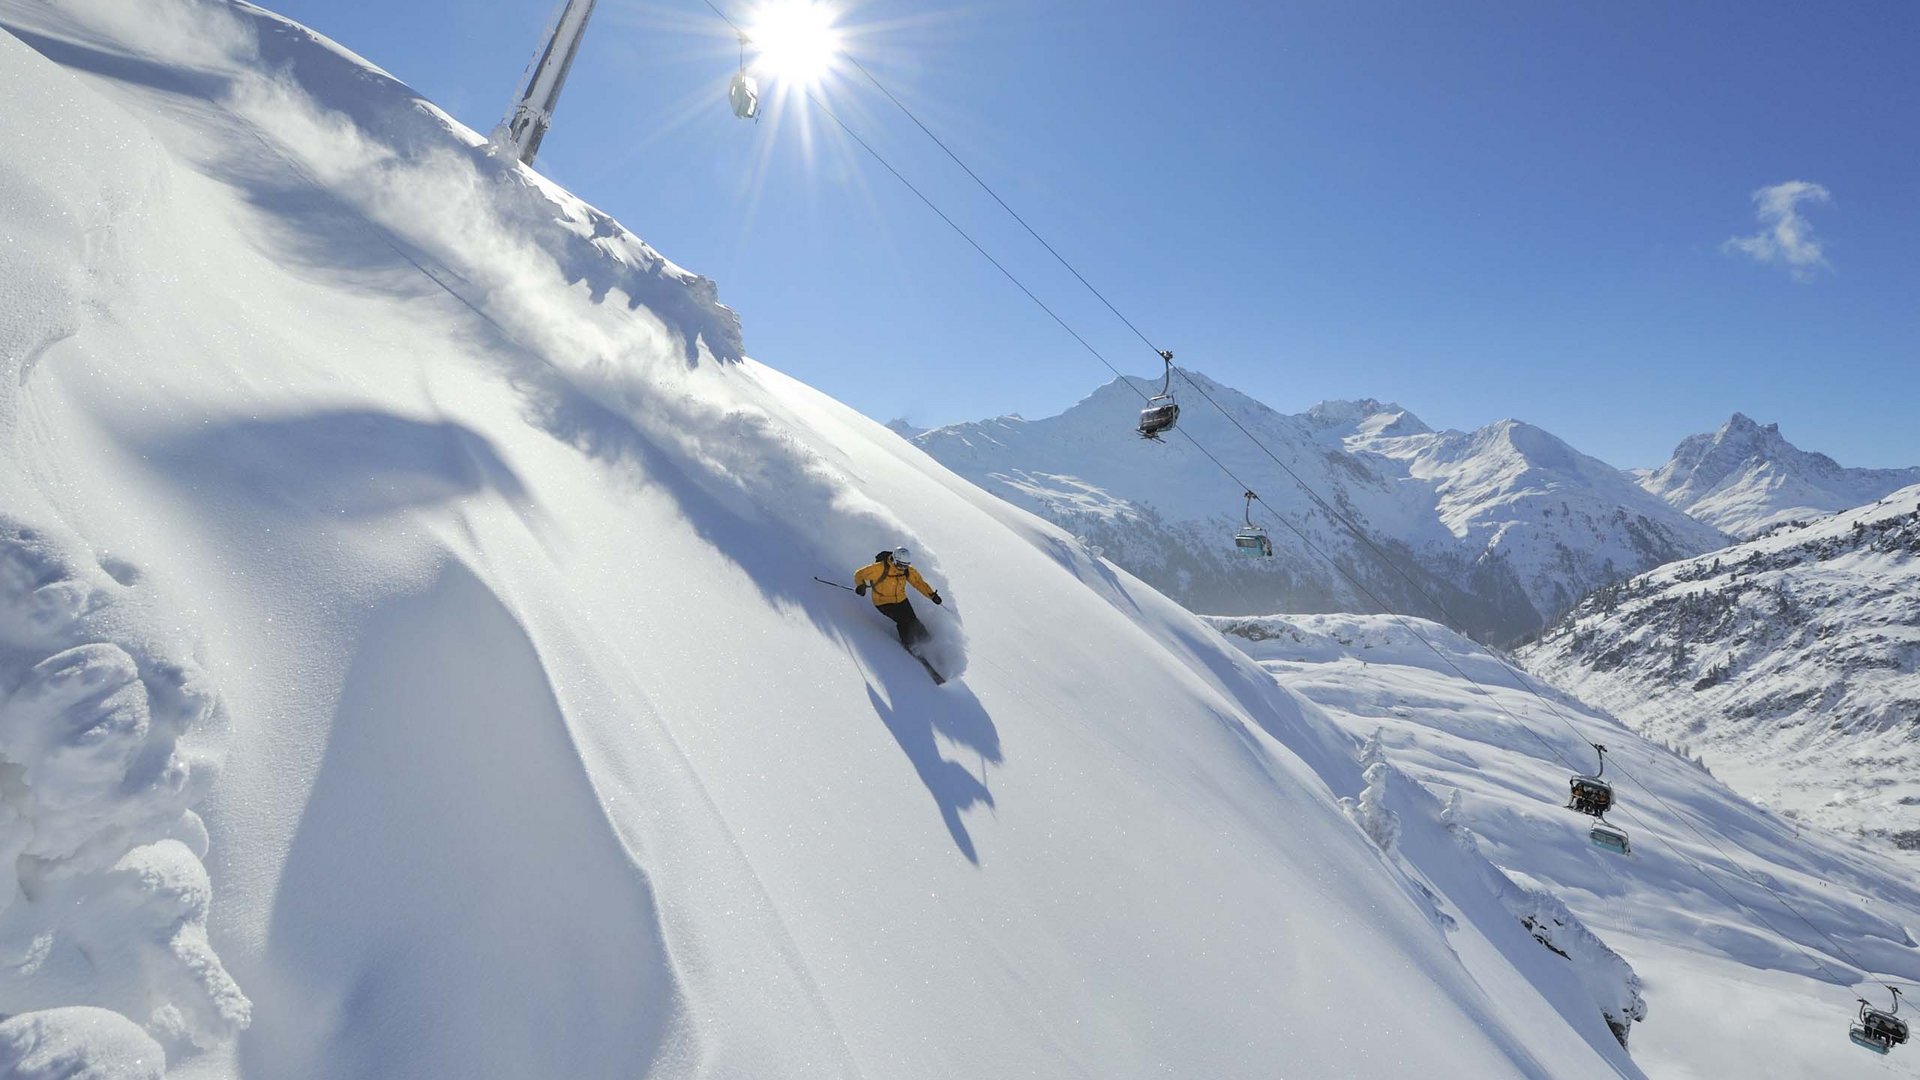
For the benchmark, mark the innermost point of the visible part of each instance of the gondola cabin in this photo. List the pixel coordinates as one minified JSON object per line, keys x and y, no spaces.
{"x":1159,"y":416}
{"x":744,"y":95}
{"x":1252,"y":544}
{"x":1591,"y":795}
{"x":1603,"y":835}
{"x":1878,"y":1030}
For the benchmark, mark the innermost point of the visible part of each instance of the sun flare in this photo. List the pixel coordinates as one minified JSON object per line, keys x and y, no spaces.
{"x":796,"y":40}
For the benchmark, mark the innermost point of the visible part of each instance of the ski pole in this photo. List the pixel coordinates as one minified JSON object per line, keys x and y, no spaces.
{"x":835,"y":584}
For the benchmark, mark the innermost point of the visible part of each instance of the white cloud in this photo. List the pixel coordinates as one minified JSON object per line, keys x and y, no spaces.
{"x":1785,"y":238}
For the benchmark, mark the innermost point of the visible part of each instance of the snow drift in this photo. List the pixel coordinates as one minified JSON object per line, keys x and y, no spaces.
{"x":454,"y":525}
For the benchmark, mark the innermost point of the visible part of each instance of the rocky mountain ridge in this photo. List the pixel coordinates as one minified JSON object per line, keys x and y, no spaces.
{"x":1791,"y":661}
{"x":1746,"y":478}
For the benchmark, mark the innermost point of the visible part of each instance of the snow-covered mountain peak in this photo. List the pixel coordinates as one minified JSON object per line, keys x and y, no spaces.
{"x":1534,"y":445}
{"x":1355,"y":423}
{"x":1745,"y":477}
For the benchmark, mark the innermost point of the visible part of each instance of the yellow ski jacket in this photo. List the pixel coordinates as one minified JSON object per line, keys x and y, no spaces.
{"x":888,"y":582}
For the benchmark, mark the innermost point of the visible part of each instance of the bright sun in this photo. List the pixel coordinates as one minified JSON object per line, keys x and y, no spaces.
{"x":797,"y":40}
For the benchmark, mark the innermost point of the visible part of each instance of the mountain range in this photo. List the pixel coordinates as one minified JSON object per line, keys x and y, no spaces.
{"x":1494,"y":531}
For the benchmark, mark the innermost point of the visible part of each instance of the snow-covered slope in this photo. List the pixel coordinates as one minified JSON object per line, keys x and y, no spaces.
{"x":1505,"y":527}
{"x":1727,"y":973}
{"x":427,"y":538}
{"x":1791,"y":661}
{"x":1745,"y":479}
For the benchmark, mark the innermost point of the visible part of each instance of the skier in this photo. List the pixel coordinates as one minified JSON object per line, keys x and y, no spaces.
{"x":888,"y":576}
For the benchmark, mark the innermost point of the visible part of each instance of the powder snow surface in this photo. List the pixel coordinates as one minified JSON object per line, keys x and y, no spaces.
{"x":429,"y":539}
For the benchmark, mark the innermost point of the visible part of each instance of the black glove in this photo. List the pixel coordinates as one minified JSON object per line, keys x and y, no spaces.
{"x":936,"y":598}
{"x":861,"y":589}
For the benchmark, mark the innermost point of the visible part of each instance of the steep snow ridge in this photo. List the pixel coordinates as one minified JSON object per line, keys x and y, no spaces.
{"x":543,"y":755}
{"x":1792,"y":661}
{"x":1504,"y":527}
{"x":1693,"y":952}
{"x":1745,"y":479}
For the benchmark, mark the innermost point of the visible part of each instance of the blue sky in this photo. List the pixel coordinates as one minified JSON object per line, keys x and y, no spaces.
{"x":1476,"y":210}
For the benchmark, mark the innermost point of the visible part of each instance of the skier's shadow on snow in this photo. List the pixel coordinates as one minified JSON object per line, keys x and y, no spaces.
{"x":906,"y":701}
{"x":912,"y":721}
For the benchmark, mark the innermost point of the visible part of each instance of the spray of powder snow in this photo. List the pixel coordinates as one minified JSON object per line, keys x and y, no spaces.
{"x":466,"y":214}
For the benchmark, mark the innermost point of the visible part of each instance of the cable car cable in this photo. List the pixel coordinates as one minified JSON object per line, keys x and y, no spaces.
{"x":984,"y":186}
{"x":1527,"y":684}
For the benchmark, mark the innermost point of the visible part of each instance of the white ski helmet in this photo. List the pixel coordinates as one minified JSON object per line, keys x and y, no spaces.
{"x":903,"y":556}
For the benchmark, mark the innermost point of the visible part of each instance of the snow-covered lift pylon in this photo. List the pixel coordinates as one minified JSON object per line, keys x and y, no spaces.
{"x":532,"y":113}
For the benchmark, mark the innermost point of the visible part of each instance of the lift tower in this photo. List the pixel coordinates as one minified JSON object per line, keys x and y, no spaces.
{"x":532,"y":113}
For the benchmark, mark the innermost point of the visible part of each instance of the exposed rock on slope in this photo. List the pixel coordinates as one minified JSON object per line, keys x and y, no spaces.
{"x":1792,"y":661}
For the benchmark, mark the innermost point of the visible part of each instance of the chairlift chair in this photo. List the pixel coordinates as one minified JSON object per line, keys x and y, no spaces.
{"x":1592,"y":795}
{"x":743,"y":93}
{"x":1252,"y":541}
{"x":1879,"y":1030}
{"x":1159,"y":416}
{"x":1162,"y":411}
{"x":1610,"y":837}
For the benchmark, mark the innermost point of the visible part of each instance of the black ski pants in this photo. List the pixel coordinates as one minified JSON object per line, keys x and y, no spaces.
{"x":912,"y":630}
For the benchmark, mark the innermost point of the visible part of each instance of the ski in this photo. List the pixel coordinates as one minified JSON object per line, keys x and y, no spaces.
{"x":938,"y":679}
